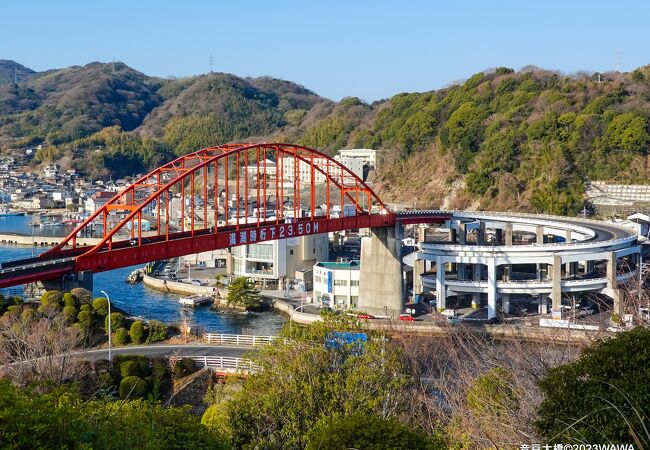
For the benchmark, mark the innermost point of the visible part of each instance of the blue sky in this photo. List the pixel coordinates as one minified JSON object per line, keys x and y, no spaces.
{"x":369,"y":49}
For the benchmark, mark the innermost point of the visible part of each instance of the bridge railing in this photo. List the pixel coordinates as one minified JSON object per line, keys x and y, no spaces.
{"x":226,"y":362}
{"x":243,"y":340}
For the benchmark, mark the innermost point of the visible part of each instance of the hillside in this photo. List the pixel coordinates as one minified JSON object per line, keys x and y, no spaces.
{"x":11,"y":71}
{"x":502,"y":140}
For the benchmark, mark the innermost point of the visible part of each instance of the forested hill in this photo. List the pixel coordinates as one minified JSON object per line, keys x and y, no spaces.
{"x":501,"y":140}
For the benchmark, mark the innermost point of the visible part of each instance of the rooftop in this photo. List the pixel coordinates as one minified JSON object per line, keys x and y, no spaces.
{"x":349,"y":265}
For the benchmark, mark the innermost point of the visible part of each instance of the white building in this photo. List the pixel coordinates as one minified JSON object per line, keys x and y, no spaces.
{"x":266,"y":166}
{"x":304,"y":170}
{"x":336,"y":284}
{"x":275,"y":260}
{"x":366,"y":155}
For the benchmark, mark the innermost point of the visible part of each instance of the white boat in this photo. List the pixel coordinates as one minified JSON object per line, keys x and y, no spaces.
{"x":194,"y":301}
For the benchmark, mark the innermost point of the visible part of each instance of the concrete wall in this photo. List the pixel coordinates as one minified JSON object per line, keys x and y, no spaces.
{"x":380,"y":280}
{"x":42,"y":240}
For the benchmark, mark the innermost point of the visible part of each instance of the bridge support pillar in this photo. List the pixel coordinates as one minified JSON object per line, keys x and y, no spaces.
{"x":462,"y":234}
{"x":539,"y":233}
{"x":505,"y":303}
{"x":476,"y":297}
{"x":453,"y":236}
{"x":556,"y":292}
{"x":612,"y":284}
{"x":508,"y":238}
{"x":480,"y":236}
{"x":542,"y":307}
{"x":418,"y":270}
{"x":441,"y":288}
{"x":83,"y":279}
{"x":498,"y":236}
{"x":380,"y":279}
{"x":492,"y":289}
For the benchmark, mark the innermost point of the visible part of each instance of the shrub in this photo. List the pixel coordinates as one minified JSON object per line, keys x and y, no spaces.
{"x":157,"y":331}
{"x":100,"y":305}
{"x":184,"y":367}
{"x":140,"y":360}
{"x":86,"y":308}
{"x":137,"y":332}
{"x":133,"y":387}
{"x":160,"y":373}
{"x":13,"y":308}
{"x":70,"y":313}
{"x":85,"y":319}
{"x":27,"y":314}
{"x":121,"y":336}
{"x":367,"y":431}
{"x":117,"y":321}
{"x":68,"y":300}
{"x":51,"y":297}
{"x":82,"y":296}
{"x":129,"y":369}
{"x":48,"y":310}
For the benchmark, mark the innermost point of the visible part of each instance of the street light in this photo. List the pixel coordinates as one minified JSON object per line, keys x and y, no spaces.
{"x":294,"y":309}
{"x":110,"y":360}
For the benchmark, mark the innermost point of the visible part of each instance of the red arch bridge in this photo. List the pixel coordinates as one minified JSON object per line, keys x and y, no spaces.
{"x":215,"y":198}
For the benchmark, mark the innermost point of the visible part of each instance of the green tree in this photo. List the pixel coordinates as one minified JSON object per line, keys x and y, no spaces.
{"x":70,"y":313}
{"x":320,"y":381}
{"x":85,"y":319}
{"x":133,"y":387}
{"x":82,"y":296}
{"x":242,"y":292}
{"x":365,"y":431}
{"x":603,"y":396}
{"x":121,"y":336}
{"x":137,"y":332}
{"x":69,"y":300}
{"x":117,"y":321}
{"x":100,"y":306}
{"x":51,"y":298}
{"x":157,"y":331}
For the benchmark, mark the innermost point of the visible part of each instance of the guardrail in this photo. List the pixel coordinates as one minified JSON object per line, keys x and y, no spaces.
{"x":243,"y":340}
{"x":226,"y":362}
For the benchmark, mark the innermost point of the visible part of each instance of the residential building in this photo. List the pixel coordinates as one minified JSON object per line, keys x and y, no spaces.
{"x":366,"y":155}
{"x":336,"y":284}
{"x":304,"y":170}
{"x":272,"y":261}
{"x":97,"y":200}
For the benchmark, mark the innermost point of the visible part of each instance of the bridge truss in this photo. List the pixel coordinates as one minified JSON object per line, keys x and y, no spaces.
{"x":219,"y":197}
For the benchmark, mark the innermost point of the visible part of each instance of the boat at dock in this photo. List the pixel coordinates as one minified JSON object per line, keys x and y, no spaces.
{"x":194,"y":301}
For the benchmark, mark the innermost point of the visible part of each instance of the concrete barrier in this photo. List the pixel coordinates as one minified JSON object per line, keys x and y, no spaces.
{"x":177,"y":287}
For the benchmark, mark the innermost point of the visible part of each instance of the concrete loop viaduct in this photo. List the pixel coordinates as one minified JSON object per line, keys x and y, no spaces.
{"x":568,"y":256}
{"x":225,"y":196}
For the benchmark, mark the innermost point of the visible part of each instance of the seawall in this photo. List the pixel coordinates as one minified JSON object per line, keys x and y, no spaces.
{"x":42,"y":241}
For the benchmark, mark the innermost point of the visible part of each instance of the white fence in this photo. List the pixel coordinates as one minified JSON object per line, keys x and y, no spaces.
{"x":226,"y":362}
{"x":242,"y":340}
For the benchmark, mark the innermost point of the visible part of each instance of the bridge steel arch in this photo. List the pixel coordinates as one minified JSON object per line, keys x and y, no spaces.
{"x":335,"y":199}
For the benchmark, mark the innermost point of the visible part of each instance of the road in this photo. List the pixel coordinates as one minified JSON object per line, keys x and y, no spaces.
{"x":167,"y":350}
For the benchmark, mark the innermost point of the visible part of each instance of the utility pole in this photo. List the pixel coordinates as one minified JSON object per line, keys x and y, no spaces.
{"x":210,"y":63}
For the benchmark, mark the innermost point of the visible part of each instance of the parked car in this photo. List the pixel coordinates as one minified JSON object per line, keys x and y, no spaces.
{"x":198,"y":283}
{"x":365,"y":316}
{"x":585,"y":311}
{"x":406,"y":318}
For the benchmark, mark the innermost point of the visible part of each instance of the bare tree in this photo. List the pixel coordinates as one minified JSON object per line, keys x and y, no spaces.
{"x":37,"y":348}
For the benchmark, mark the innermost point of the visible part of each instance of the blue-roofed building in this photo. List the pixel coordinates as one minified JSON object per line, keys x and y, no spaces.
{"x":336,"y":284}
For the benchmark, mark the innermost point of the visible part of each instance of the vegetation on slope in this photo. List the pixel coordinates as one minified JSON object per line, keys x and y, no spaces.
{"x":524,"y":140}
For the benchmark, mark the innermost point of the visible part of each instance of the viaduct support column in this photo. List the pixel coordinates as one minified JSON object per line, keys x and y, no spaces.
{"x":476,"y":297}
{"x":380,"y":277}
{"x":612,"y":284}
{"x":462,"y":240}
{"x":505,"y":303}
{"x":441,"y":288}
{"x":508,"y":239}
{"x":492,"y":288}
{"x":556,"y":293}
{"x":418,"y":269}
{"x":83,"y":279}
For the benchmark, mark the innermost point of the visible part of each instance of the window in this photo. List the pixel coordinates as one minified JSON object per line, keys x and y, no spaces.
{"x":291,"y":252}
{"x":260,"y":251}
{"x":340,"y":299}
{"x":354,"y":282}
{"x":340,"y":282}
{"x":354,"y":301}
{"x":318,"y":279}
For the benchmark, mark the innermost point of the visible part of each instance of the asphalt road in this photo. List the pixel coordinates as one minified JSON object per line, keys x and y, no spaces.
{"x":167,"y":349}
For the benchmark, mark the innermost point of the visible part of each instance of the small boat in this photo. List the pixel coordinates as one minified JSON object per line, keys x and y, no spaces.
{"x":194,"y":301}
{"x":6,"y":212}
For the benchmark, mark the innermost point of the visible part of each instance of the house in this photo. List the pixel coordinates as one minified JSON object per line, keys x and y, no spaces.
{"x":97,"y":200}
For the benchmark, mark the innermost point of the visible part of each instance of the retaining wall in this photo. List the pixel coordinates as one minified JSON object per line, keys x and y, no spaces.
{"x":19,"y":239}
